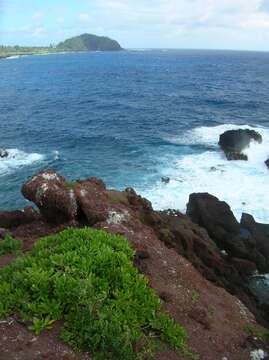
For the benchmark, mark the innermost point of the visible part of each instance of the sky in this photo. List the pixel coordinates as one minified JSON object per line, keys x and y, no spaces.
{"x":200,"y":24}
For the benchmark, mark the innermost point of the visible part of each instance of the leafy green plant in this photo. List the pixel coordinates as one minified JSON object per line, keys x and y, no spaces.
{"x":195,"y":296}
{"x":9,"y":245}
{"x":260,"y":334}
{"x":87,"y":278}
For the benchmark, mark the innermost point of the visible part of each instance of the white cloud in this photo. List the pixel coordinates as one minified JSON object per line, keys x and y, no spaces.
{"x":84,"y":17}
{"x":38,"y":15}
{"x":39,"y":32}
{"x":60,"y":20}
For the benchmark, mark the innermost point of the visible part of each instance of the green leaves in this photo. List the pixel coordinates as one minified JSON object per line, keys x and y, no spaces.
{"x":9,"y":245}
{"x":87,"y":278}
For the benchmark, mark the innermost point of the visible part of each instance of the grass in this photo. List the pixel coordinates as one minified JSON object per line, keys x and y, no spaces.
{"x":9,"y":245}
{"x":260,"y":334}
{"x":195,"y":296}
{"x":86,"y":278}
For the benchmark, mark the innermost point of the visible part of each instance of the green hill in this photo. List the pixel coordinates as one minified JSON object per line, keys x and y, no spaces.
{"x":89,"y":42}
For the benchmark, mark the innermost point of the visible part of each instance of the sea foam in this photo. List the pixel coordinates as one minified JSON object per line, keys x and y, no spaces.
{"x":242,"y":184}
{"x":17,"y":159}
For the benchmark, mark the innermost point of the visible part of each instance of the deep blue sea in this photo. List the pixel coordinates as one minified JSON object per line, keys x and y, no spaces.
{"x":133,"y":117}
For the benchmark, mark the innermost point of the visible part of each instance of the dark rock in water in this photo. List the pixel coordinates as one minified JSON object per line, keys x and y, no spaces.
{"x":267,"y":163}
{"x":233,"y":142}
{"x":238,"y":240}
{"x":3,"y":153}
{"x":165,"y":180}
{"x":11,"y":219}
{"x":232,"y":155}
{"x":54,"y":197}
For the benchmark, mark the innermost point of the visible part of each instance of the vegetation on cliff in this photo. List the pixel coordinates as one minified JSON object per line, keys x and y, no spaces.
{"x":9,"y":245}
{"x":87,"y":278}
{"x":89,"y":42}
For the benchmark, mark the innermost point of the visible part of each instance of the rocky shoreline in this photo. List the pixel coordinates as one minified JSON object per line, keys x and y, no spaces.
{"x":199,"y":263}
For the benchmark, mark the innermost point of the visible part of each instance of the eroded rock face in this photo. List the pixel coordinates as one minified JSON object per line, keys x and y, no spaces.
{"x":92,"y":200}
{"x":52,"y":195}
{"x":233,"y":142}
{"x":217,"y":218}
{"x":11,"y":219}
{"x":260,"y":232}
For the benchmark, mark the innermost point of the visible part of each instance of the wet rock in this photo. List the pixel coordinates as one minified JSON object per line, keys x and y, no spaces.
{"x":233,"y":142}
{"x":3,"y":153}
{"x":165,"y":180}
{"x":54,"y":197}
{"x":11,"y":219}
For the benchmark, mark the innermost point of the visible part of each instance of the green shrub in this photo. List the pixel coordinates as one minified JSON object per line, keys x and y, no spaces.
{"x":87,"y":278}
{"x":260,"y":334}
{"x":9,"y":245}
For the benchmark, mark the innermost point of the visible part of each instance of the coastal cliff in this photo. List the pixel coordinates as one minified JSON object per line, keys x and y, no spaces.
{"x":198,"y":264}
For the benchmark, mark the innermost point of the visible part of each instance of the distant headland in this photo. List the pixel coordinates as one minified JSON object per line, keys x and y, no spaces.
{"x":84,"y":42}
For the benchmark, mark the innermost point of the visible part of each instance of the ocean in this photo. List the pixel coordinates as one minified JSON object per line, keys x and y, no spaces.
{"x":133,"y":117}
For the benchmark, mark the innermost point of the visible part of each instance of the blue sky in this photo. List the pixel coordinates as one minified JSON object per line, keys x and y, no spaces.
{"x":211,"y":24}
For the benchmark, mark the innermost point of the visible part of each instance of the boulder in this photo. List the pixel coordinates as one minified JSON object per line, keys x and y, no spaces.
{"x":54,"y":197}
{"x":236,"y":239}
{"x":165,"y":180}
{"x":3,"y":153}
{"x":260,"y":233}
{"x":233,"y":142}
{"x":267,"y":163}
{"x":11,"y":219}
{"x":215,"y":216}
{"x":92,"y":201}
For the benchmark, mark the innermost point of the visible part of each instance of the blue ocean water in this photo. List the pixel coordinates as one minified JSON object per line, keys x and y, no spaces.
{"x":135,"y":116}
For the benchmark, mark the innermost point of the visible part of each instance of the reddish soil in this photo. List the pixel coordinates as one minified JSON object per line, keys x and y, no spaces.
{"x":214,"y":319}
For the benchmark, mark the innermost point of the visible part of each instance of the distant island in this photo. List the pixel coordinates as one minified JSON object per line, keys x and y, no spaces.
{"x":84,"y":42}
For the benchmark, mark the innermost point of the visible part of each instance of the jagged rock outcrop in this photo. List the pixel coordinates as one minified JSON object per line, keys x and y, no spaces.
{"x":54,"y":197}
{"x":233,"y":142}
{"x":91,"y":200}
{"x":260,"y":232}
{"x":217,"y":218}
{"x":10,"y":219}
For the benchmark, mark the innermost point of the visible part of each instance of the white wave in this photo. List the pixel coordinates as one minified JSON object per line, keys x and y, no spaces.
{"x":13,"y":57}
{"x":209,"y":136}
{"x":17,"y":159}
{"x":56,"y":155}
{"x":242,"y":184}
